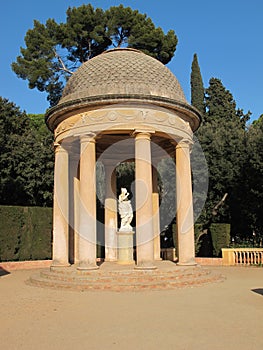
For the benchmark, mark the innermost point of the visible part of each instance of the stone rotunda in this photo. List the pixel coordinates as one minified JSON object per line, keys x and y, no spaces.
{"x":119,"y":106}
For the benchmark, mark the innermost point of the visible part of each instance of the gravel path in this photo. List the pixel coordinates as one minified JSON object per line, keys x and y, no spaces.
{"x":225,"y":315}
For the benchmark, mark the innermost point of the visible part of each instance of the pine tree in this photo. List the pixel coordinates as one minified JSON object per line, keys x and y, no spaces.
{"x":54,"y":51}
{"x":197,"y":87}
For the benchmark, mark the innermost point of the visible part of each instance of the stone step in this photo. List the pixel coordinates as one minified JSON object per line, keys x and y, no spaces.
{"x":122,"y":277}
{"x":131,"y":279}
{"x":123,"y":280}
{"x":164,"y":285}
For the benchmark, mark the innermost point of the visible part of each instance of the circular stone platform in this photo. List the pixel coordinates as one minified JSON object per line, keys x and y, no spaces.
{"x":115,"y":277}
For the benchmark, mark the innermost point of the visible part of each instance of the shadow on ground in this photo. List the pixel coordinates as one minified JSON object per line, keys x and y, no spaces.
{"x":3,"y":272}
{"x":258,"y":291}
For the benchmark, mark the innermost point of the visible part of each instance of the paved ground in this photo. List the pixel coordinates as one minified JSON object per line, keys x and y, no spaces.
{"x":224,"y":315}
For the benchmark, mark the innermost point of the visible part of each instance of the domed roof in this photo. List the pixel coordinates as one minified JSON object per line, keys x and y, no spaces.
{"x":122,"y":73}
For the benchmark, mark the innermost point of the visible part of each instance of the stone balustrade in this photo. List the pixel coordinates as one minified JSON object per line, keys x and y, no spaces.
{"x":242,"y":256}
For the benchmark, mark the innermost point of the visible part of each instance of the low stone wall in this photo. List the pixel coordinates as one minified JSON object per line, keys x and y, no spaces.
{"x":170,"y":254}
{"x":28,"y":265}
{"x":39,"y":264}
{"x":209,"y":261}
{"x":25,"y":265}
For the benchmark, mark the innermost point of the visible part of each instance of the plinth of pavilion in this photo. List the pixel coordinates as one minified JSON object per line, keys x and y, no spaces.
{"x":115,"y":277}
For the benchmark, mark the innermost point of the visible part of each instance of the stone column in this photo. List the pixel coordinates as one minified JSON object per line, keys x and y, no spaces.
{"x":110,"y":212}
{"x":156,"y":216}
{"x":87,"y":250}
{"x":60,"y":209}
{"x":144,"y":206}
{"x":76,"y":219}
{"x":184,"y":201}
{"x":73,"y":176}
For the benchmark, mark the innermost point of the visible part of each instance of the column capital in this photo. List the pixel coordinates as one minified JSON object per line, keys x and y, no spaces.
{"x":142,"y":134}
{"x":184,"y":143}
{"x":87,"y":137}
{"x":58,"y":147}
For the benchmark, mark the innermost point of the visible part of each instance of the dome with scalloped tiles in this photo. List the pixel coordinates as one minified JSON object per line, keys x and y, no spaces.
{"x":122,"y":73}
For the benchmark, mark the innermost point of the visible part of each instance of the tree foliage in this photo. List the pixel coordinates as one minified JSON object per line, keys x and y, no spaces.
{"x":253,"y":194}
{"x":26,"y":160}
{"x":13,"y":125}
{"x":54,"y":50}
{"x":222,"y":136}
{"x":197,"y":87}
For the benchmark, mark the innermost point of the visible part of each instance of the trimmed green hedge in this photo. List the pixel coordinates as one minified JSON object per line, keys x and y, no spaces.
{"x":25,"y":233}
{"x":220,"y":234}
{"x":217,"y":236}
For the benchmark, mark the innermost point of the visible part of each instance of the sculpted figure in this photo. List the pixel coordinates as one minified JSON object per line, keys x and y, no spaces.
{"x":125,"y":210}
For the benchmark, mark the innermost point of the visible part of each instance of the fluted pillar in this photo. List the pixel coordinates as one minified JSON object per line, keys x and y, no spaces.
{"x":60,"y":209}
{"x":110,"y":212}
{"x":144,"y":206}
{"x":184,"y":200}
{"x":87,"y":251}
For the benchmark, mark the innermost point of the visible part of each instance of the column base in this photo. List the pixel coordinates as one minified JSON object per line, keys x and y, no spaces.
{"x":85,"y":266}
{"x":110,"y":253}
{"x":57,"y":265}
{"x":126,"y":262}
{"x":145,"y":265}
{"x":110,"y":260}
{"x":187,"y":263}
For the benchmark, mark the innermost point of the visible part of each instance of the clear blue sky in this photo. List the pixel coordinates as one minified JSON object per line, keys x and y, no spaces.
{"x":226,"y":35}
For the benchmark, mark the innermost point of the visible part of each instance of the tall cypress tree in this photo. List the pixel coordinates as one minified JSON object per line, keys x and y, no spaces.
{"x":197,"y":87}
{"x":222,"y":137}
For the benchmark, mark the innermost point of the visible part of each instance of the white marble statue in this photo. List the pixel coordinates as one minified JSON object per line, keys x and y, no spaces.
{"x":125,"y":210}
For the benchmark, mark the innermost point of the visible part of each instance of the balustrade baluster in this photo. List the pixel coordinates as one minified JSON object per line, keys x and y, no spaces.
{"x":242,"y":256}
{"x":251,"y":255}
{"x":241,"y":261}
{"x":236,"y":257}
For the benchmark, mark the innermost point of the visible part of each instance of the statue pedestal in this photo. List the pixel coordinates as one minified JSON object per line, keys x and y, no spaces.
{"x":125,"y":247}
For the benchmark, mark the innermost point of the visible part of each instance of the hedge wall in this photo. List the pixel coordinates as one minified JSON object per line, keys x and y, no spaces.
{"x":25,"y":233}
{"x":220,"y":234}
{"x":217,"y":236}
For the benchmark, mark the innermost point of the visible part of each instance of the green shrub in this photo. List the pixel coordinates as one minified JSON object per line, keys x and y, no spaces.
{"x":208,"y":242}
{"x":25,"y":233}
{"x":220,"y":234}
